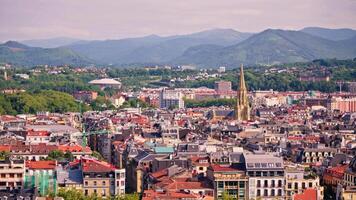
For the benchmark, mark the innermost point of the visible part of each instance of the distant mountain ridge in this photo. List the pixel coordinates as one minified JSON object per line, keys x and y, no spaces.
{"x":20,"y":54}
{"x":154,"y":49}
{"x":271,"y":46}
{"x":209,"y":48}
{"x":330,"y":34}
{"x":51,"y":42}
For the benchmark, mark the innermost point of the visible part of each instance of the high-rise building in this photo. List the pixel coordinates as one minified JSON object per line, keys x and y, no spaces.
{"x":171,"y":99}
{"x":222,"y":87}
{"x":242,"y":107}
{"x":12,"y":174}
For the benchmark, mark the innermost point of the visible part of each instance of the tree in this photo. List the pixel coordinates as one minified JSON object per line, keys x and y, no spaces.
{"x":226,"y":196}
{"x":55,"y":155}
{"x":97,"y":155}
{"x":4,"y":155}
{"x":134,"y":196}
{"x":69,"y":156}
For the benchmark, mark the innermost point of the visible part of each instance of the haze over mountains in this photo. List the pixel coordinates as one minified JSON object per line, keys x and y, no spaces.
{"x":210,"y":48}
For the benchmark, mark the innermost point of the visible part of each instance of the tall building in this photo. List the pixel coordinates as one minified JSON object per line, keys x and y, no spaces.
{"x":12,"y":174}
{"x":266,"y":176}
{"x":222,"y":87}
{"x":242,"y":108}
{"x":228,"y":180}
{"x":171,"y":99}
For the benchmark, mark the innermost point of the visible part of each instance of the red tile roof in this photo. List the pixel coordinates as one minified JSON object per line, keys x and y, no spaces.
{"x":308,"y":194}
{"x":43,"y":164}
{"x":186,"y":185}
{"x":37,"y":133}
{"x":151,"y":195}
{"x":92,"y":165}
{"x":5,"y":148}
{"x":73,"y":148}
{"x":223,"y":168}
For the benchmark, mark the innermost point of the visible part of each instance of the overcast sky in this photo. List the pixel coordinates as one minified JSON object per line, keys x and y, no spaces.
{"x":103,"y":19}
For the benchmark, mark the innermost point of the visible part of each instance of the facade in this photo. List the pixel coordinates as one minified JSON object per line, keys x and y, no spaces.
{"x":298,"y":183}
{"x":343,"y":104}
{"x":222,"y":87}
{"x":266,"y":176}
{"x":313,"y":155}
{"x":228,"y":180}
{"x":350,"y":173}
{"x":171,"y":99}
{"x":102,"y":179}
{"x":12,"y":173}
{"x":41,"y":175}
{"x":242,"y":107}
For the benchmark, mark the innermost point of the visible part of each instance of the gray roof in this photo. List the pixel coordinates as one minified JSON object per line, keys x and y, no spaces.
{"x":263,"y":162}
{"x":71,"y":176}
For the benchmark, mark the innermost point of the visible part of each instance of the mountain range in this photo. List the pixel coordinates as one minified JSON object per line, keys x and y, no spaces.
{"x":209,"y":48}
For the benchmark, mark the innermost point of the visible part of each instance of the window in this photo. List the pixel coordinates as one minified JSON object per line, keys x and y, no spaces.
{"x":303,"y":185}
{"x":279,"y":192}
{"x":95,"y":191}
{"x":241,"y":184}
{"x":94,"y":183}
{"x":310,"y":184}
{"x":273,"y":183}
{"x":104,"y":193}
{"x":258,"y":193}
{"x":295,"y":185}
{"x":86,"y":192}
{"x":272,"y":192}
{"x":201,"y":168}
{"x":86,"y":183}
{"x":220,"y":184}
{"x":104,"y":183}
{"x":265,"y":193}
{"x":279,"y":183}
{"x":258,"y":183}
{"x":289,"y":185}
{"x":266,"y":184}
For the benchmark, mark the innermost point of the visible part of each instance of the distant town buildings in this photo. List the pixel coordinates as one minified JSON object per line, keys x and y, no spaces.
{"x":85,"y":96}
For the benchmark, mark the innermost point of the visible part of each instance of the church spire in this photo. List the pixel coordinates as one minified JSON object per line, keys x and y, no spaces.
{"x":242,"y":107}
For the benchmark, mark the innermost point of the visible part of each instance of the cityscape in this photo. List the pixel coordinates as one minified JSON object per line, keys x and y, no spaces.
{"x":266,"y":113}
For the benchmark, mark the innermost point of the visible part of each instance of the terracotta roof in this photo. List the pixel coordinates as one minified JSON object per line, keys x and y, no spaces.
{"x":222,"y":168}
{"x":5,"y":148}
{"x":73,"y":148}
{"x":186,"y":185}
{"x":43,"y":164}
{"x":160,"y":173}
{"x":151,"y":195}
{"x":308,"y":194}
{"x":338,"y":169}
{"x":37,"y":133}
{"x":92,"y":165}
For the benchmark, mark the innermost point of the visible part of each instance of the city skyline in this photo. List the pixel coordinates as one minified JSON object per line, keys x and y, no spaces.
{"x":113,"y":19}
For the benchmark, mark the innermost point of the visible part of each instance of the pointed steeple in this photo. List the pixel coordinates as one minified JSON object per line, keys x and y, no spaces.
{"x":242,"y":78}
{"x":242,"y":107}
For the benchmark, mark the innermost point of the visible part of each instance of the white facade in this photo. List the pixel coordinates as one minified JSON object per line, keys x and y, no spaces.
{"x":171,"y":98}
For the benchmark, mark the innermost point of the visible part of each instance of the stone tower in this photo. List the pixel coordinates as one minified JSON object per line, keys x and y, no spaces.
{"x":242,"y":107}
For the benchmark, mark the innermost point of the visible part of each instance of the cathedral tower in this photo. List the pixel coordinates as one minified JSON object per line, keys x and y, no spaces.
{"x":242,"y":107}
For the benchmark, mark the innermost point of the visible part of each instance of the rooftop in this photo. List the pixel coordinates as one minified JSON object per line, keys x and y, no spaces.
{"x":43,"y":164}
{"x":105,"y":81}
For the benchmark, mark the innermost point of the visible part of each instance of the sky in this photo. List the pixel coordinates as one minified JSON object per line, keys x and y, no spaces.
{"x":113,"y":19}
